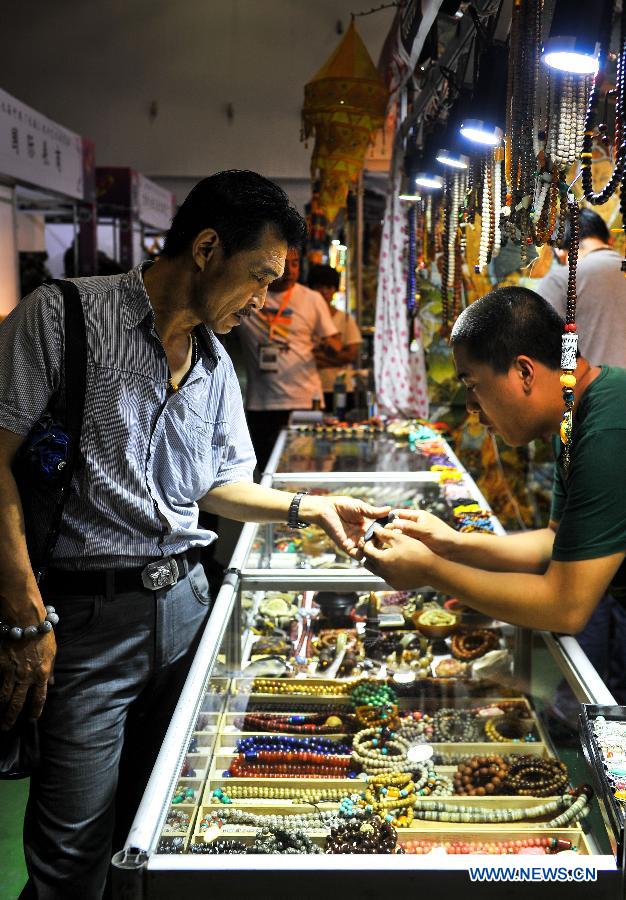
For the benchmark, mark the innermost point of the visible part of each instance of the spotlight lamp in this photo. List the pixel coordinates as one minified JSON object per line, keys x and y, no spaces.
{"x":452,"y":160}
{"x":481,"y":132}
{"x":577,"y":28}
{"x":428,"y":181}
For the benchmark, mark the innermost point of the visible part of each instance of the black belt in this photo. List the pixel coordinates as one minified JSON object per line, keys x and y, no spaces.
{"x":61,"y":581}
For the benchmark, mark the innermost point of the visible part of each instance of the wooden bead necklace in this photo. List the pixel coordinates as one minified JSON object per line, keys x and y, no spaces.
{"x":546,"y":844}
{"x":310,"y":688}
{"x":507,"y":729}
{"x":473,"y":644}
{"x":373,"y":836}
{"x":377,"y":752}
{"x":481,"y":776}
{"x":569,"y":341}
{"x":296,"y":724}
{"x":592,"y":126}
{"x":226,"y":793}
{"x":570,"y":807}
{"x":533,"y":776}
{"x":455,"y":726}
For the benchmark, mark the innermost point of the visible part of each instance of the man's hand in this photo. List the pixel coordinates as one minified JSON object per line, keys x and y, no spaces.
{"x":344,"y":519}
{"x":427,"y":528}
{"x":401,"y":561}
{"x":25,"y":665}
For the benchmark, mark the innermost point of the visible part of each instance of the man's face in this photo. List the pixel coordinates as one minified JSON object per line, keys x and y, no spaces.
{"x":290,"y":275}
{"x":231,"y":288}
{"x":504,"y":402}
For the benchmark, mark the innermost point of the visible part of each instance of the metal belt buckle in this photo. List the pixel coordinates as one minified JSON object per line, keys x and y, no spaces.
{"x":159,"y":574}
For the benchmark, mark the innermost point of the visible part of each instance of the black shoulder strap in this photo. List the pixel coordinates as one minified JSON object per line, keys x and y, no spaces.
{"x":75,"y":369}
{"x":75,"y":376}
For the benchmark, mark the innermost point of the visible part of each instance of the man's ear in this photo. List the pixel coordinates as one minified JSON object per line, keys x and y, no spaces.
{"x":525,"y":369}
{"x":204,"y":246}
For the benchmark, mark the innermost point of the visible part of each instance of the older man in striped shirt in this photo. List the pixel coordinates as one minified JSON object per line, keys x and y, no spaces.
{"x":164,"y":435}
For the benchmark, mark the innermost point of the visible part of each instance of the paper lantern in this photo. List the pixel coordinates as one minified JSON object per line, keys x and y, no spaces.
{"x":344,"y":105}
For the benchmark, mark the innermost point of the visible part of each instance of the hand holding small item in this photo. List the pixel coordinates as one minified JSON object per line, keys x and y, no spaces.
{"x":402,"y":561}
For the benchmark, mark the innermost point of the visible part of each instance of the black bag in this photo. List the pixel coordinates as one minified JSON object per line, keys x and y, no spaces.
{"x":43,"y":470}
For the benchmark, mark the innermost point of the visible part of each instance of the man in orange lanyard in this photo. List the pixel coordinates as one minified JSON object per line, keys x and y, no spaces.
{"x":279,"y":348}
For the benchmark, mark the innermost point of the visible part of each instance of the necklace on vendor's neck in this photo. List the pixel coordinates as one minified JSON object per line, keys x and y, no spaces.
{"x":176,"y":385}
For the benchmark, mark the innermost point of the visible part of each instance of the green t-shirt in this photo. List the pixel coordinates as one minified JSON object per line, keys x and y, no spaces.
{"x":590,"y":503}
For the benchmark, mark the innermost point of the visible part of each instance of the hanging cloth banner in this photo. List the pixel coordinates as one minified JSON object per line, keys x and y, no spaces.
{"x":400,"y":373}
{"x":405,"y":41}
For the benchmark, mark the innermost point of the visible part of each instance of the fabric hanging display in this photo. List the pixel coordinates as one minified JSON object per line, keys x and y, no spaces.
{"x":400,"y":374}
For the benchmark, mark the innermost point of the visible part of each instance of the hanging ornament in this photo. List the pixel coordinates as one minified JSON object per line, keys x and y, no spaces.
{"x":487,"y":215}
{"x":446,"y":208}
{"x":498,"y":160}
{"x":523,"y":80}
{"x":344,"y":105}
{"x":593,"y":128}
{"x":569,"y":341}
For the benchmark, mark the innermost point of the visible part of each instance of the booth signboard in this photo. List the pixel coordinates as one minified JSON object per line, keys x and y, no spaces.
{"x":123,"y":191}
{"x":155,"y":205}
{"x":37,"y":151}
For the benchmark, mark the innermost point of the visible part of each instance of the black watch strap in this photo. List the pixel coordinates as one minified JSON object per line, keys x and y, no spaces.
{"x":294,"y":509}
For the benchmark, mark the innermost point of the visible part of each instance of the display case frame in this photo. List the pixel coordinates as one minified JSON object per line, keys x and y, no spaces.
{"x":141,"y":872}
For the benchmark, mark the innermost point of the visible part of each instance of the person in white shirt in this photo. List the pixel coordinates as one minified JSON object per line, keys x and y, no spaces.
{"x":279,"y":344}
{"x":325,"y":280}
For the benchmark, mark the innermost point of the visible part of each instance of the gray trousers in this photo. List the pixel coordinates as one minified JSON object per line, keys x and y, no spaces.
{"x":120,"y":666}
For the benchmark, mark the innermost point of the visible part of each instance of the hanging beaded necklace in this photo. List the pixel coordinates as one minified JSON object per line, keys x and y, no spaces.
{"x":446,"y":208}
{"x":618,"y":175}
{"x":523,"y":79}
{"x":569,"y":341}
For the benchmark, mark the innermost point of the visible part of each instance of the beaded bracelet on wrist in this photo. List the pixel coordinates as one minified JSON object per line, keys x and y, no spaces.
{"x":17,"y":633}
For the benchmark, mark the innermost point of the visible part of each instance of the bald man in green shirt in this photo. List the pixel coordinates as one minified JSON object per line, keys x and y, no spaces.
{"x":507,"y":351}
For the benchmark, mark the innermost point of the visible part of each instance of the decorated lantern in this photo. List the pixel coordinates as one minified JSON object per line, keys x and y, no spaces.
{"x":344,"y":105}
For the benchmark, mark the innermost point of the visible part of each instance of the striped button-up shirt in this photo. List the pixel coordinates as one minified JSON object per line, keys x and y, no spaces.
{"x":148,"y":456}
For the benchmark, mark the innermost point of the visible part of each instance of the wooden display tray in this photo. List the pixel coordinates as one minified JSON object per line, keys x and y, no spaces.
{"x":428,"y":704}
{"x":221,"y":762}
{"x":225,"y":746}
{"x":459,"y":696}
{"x":465,"y":832}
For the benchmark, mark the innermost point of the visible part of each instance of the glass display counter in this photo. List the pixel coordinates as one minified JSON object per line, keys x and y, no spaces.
{"x":334,"y":734}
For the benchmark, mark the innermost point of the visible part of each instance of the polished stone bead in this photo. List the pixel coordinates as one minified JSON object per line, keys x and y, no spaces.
{"x":31,"y":631}
{"x":44,"y":627}
{"x":16,"y":633}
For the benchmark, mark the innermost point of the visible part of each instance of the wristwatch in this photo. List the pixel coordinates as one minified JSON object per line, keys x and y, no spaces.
{"x":294,"y":508}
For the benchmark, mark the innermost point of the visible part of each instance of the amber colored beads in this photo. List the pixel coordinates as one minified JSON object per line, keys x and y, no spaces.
{"x":532,"y":776}
{"x":473,"y":644}
{"x":481,"y":776}
{"x":298,"y":688}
